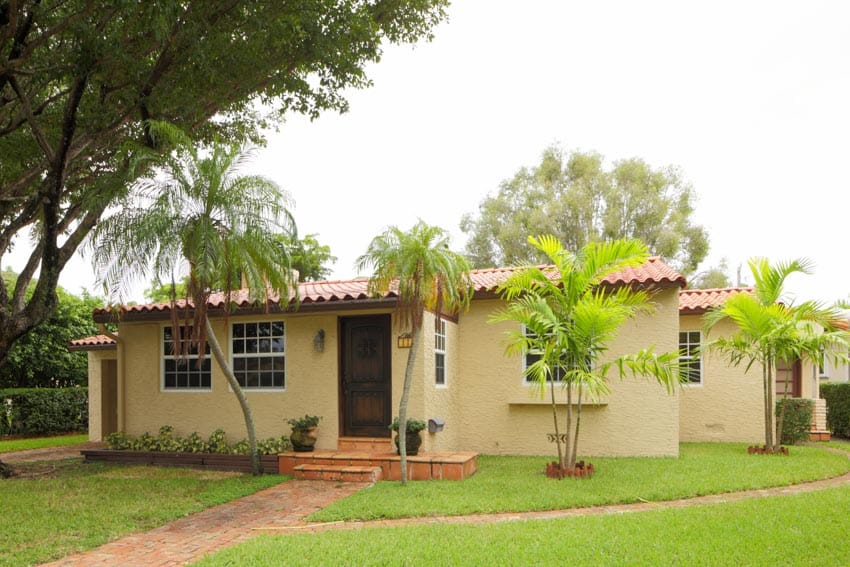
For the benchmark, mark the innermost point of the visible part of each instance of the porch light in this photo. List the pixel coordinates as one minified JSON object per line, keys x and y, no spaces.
{"x":319,"y":341}
{"x":405,"y":340}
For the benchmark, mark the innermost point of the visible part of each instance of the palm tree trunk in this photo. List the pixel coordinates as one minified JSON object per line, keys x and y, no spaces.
{"x":769,"y":409}
{"x":766,"y":392}
{"x":780,"y":421}
{"x":561,"y":456}
{"x":402,"y":404}
{"x":218,"y":354}
{"x":572,"y":463}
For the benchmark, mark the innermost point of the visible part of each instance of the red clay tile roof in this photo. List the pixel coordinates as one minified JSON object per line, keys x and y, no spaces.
{"x":329,"y":293}
{"x":92,"y":343}
{"x":697,"y":301}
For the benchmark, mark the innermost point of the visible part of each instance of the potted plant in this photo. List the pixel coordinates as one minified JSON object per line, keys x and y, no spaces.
{"x":413,"y":440}
{"x":303,"y":435}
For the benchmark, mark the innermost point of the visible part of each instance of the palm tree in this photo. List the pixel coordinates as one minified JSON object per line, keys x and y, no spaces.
{"x":569,"y":319}
{"x":770,"y":329}
{"x":197,"y":212}
{"x":425,"y":274}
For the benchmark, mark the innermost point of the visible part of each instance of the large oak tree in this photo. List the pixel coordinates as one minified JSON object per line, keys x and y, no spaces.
{"x":82,"y":80}
{"x":575,"y":198}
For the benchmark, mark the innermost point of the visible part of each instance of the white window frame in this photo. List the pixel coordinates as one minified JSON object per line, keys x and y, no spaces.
{"x":526,"y":380}
{"x":164,"y":355}
{"x":689,"y":357}
{"x":440,"y":347}
{"x":258,"y":355}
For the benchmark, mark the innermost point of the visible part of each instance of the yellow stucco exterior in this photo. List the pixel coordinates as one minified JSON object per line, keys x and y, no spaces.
{"x":485,"y":403}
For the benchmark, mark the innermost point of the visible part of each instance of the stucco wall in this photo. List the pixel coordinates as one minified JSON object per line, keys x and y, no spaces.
{"x":498,"y":413}
{"x":95,"y":357}
{"x":729,"y":404}
{"x":440,"y":401}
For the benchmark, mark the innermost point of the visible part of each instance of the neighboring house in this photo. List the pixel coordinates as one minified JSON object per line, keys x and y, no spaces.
{"x":831,"y":370}
{"x":339,"y":355}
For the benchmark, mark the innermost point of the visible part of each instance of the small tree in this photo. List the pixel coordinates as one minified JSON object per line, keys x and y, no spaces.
{"x":198,"y":212}
{"x":771,"y":328}
{"x":572,"y":318}
{"x":425,"y":274}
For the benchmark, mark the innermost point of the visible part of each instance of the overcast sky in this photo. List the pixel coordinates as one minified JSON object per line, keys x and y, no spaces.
{"x":750,"y":99}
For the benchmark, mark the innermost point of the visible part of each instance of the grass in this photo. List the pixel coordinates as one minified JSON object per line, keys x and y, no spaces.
{"x":58,"y":508}
{"x":11,"y":445}
{"x":837,"y":443}
{"x":506,"y":484}
{"x":805,"y":529}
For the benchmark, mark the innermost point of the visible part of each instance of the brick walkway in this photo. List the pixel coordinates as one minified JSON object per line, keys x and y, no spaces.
{"x":194,"y":536}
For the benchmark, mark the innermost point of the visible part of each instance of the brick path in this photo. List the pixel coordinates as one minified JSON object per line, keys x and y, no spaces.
{"x":194,"y":536}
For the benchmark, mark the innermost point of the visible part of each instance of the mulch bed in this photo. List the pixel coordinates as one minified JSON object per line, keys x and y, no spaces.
{"x":582,"y":470}
{"x":765,"y":450}
{"x":212,"y":461}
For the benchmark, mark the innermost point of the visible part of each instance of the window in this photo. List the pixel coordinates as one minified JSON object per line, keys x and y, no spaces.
{"x":259,"y":359}
{"x":533,"y":356}
{"x":185,"y":373}
{"x":440,"y":352}
{"x":689,"y":356}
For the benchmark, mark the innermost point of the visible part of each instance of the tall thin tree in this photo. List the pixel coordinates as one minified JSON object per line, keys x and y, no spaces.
{"x":426,"y":274}
{"x":200,"y":215}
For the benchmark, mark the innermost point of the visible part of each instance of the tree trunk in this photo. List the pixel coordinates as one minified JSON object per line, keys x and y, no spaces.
{"x":572,"y":463}
{"x":402,"y":404}
{"x":766,"y":394}
{"x":555,"y":419}
{"x":769,"y":411}
{"x":215,"y":347}
{"x":780,"y":421}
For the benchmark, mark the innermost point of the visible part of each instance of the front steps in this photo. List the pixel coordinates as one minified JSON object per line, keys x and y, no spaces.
{"x":355,"y":463}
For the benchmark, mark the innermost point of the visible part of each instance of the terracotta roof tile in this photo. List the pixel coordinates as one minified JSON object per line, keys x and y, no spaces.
{"x":696,"y":301}
{"x":484,"y":281}
{"x":92,"y":343}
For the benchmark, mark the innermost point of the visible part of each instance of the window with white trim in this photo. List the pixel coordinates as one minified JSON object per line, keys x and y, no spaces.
{"x":184,"y":373}
{"x":440,"y":352}
{"x":259,"y":355}
{"x":689,"y":355}
{"x":533,"y":356}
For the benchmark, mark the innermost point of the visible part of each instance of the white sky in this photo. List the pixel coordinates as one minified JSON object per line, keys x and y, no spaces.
{"x":750,"y":99}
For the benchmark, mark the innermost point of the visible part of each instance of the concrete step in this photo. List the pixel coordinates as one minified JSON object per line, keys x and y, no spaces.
{"x":338,"y":473}
{"x":819,"y":435}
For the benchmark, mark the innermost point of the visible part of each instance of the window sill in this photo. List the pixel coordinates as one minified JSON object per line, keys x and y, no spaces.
{"x":529,"y":402}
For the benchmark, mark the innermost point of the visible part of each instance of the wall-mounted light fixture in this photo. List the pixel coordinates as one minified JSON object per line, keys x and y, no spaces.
{"x":405,"y":340}
{"x":319,"y":341}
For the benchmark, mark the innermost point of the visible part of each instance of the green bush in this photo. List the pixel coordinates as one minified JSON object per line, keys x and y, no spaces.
{"x":797,"y":421}
{"x":167,"y":441}
{"x":837,"y":398}
{"x":43,"y":411}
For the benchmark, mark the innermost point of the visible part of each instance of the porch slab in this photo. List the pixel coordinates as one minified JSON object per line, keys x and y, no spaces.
{"x":448,"y":465}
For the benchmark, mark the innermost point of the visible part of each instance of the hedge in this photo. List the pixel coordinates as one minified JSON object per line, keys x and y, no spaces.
{"x":797,"y":421}
{"x":167,"y":441}
{"x":43,"y":411}
{"x":837,"y":398}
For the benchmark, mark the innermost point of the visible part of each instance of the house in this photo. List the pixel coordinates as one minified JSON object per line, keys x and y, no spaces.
{"x":340,"y":355}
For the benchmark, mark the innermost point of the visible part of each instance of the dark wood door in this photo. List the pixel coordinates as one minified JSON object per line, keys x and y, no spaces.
{"x":789,"y":379}
{"x":365,"y":376}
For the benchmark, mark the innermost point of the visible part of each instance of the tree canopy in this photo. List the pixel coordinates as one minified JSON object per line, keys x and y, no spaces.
{"x":573,"y":197}
{"x":41,"y":358}
{"x":82,"y":81}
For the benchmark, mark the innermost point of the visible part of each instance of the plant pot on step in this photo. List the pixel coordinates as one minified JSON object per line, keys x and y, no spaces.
{"x":303,"y":440}
{"x":303,"y":436}
{"x":412,"y":441}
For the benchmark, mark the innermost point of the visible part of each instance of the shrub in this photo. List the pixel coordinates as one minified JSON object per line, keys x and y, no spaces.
{"x":413,"y":425}
{"x":837,"y":398}
{"x":168,"y":442}
{"x":44,"y":411}
{"x":797,"y":421}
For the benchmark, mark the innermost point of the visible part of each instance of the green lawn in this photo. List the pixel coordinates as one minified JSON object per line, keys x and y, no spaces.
{"x":11,"y":445}
{"x":837,"y":443}
{"x":505,"y":484}
{"x":68,"y":506}
{"x":806,"y":529}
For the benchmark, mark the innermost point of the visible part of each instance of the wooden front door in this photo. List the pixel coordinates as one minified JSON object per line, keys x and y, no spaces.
{"x":789,"y":379}
{"x":365,"y":376}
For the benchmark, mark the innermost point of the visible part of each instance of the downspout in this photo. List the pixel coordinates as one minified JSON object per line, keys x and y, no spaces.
{"x":120,"y":378}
